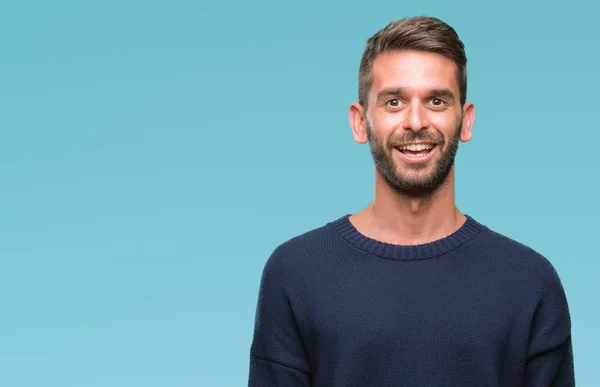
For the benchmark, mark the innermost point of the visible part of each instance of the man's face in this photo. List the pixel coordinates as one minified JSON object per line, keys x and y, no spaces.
{"x":414,"y":120}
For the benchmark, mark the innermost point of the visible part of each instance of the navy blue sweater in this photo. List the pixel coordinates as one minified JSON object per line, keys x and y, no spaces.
{"x":338,"y":309}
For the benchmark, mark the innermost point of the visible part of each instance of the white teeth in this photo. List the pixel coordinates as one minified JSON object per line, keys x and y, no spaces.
{"x":415,"y":156}
{"x":416,"y":147}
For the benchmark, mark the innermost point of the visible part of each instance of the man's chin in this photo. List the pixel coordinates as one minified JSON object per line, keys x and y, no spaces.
{"x":415,"y":183}
{"x":414,"y":191}
{"x":420,"y":171}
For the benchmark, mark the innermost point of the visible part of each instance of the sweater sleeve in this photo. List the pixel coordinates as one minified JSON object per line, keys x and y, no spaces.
{"x":277,"y":355}
{"x":550,"y":356}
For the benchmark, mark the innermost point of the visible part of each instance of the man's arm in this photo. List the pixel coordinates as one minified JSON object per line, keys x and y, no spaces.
{"x":277,"y":356}
{"x":550,"y":357}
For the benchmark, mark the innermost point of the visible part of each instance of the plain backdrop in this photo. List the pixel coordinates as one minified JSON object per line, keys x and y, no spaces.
{"x":154,"y":153}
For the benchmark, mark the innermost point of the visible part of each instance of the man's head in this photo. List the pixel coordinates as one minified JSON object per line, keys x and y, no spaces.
{"x":412,"y":105}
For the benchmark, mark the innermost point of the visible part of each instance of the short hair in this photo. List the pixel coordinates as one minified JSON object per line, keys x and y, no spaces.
{"x":421,"y":33}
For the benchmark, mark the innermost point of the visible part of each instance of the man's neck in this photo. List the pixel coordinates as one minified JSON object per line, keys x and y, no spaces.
{"x":395,"y":218}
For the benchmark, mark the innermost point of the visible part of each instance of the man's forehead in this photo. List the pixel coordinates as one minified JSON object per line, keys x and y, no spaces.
{"x":414,"y":69}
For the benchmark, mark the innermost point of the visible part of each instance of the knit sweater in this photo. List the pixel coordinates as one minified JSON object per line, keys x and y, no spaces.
{"x":476,"y":308}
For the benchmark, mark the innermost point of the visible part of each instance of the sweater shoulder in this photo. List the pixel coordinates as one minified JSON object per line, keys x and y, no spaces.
{"x":524,"y":261}
{"x":300,"y":251}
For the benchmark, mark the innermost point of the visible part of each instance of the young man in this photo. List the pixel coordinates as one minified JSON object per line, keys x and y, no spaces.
{"x":410,"y":291}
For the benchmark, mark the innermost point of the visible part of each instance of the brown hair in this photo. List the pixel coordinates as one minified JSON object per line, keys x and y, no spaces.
{"x":419,"y":33}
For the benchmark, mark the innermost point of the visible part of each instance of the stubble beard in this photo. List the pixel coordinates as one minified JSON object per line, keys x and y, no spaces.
{"x":414,"y":186}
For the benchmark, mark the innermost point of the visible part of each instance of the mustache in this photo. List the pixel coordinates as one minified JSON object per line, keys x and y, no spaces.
{"x":396,"y":140}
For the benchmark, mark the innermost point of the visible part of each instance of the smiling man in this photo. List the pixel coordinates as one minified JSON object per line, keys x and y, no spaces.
{"x":410,"y":291}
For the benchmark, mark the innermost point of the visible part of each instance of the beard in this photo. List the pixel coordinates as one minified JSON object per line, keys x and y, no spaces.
{"x":414,"y":180}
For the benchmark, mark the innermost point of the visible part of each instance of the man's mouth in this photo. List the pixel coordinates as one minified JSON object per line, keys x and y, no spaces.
{"x":417,"y":150}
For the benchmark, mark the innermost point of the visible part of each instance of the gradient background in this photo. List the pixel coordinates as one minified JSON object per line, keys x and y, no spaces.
{"x":154,"y":153}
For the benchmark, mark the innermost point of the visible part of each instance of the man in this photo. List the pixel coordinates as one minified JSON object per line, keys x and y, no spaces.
{"x":410,"y":291}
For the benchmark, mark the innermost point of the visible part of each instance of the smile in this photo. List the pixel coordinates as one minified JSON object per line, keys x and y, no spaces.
{"x":416,"y":153}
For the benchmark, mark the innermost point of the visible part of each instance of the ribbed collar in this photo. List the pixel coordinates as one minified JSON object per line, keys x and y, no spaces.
{"x":346,"y":229}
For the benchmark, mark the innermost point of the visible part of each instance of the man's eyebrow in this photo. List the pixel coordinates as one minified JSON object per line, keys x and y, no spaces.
{"x":444,"y":93}
{"x":390,"y":92}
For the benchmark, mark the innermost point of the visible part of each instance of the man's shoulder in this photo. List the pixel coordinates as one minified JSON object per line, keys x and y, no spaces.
{"x":303,"y":248}
{"x":519,"y":257}
{"x":306,"y":241}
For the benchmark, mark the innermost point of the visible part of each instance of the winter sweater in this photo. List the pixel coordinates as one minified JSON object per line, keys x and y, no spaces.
{"x":339,"y":309}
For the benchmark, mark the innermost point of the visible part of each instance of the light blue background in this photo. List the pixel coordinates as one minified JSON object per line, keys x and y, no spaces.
{"x":154,"y":153}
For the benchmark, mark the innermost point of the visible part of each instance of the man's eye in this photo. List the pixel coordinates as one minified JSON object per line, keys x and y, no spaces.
{"x":437,"y":102}
{"x":394,"y":102}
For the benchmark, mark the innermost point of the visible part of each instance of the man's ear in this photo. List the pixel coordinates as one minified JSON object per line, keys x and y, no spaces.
{"x":358,"y":123}
{"x":467,"y":122}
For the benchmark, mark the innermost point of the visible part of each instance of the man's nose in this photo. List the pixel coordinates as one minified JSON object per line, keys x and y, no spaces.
{"x":416,"y":117}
